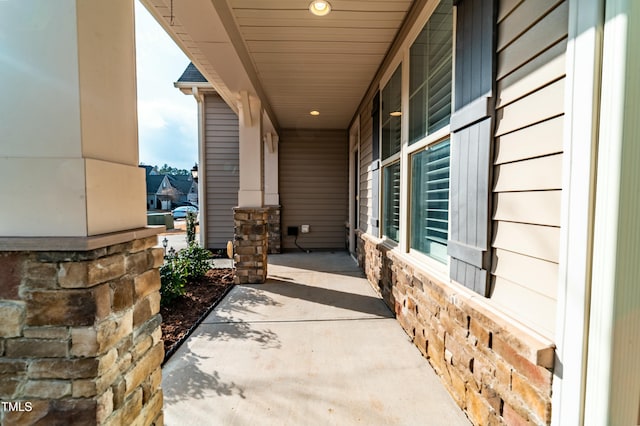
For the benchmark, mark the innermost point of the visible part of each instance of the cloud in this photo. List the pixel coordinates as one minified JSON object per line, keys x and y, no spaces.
{"x":168,"y":145}
{"x":167,"y":119}
{"x":161,"y":112}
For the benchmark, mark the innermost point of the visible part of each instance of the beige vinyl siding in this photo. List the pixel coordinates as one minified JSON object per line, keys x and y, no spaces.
{"x":535,"y":174}
{"x":531,"y":142}
{"x":524,"y":207}
{"x":551,"y":29}
{"x":536,"y":241}
{"x":544,"y":103}
{"x":505,"y":7}
{"x":521,"y":18}
{"x":532,"y":39}
{"x":222,"y":158}
{"x":366,"y":187}
{"x":314,"y":186}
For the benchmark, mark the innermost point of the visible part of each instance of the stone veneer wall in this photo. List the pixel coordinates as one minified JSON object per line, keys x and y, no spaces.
{"x":495,"y":372}
{"x":250,"y":244}
{"x":273,"y":230}
{"x":80,"y":337}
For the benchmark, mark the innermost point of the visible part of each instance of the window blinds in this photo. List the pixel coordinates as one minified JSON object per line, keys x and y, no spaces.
{"x":391,"y":196}
{"x":430,"y":201}
{"x":430,"y":74}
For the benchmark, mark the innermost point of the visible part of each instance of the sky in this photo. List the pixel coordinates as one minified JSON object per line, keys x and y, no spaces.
{"x":167,"y":118}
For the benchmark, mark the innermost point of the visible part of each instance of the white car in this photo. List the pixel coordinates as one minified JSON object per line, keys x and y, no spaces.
{"x":181,"y":212}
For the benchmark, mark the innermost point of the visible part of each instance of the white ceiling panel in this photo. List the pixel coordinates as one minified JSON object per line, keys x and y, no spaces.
{"x":305,"y":62}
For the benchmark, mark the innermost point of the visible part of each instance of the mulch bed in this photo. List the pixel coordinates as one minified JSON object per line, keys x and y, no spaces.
{"x":179,"y":319}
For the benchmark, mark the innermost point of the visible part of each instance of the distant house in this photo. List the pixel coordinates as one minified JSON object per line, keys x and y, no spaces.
{"x":164,"y":191}
{"x":187,"y":188}
{"x":160,"y":193}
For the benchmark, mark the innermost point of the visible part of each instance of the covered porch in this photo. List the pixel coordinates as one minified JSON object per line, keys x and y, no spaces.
{"x":312,"y":345}
{"x":519,"y":285}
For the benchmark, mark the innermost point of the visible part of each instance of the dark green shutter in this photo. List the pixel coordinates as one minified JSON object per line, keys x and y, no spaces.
{"x":375,"y":166}
{"x":471,"y":144}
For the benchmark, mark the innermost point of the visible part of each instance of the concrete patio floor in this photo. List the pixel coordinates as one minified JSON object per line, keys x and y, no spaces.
{"x":313,"y":345}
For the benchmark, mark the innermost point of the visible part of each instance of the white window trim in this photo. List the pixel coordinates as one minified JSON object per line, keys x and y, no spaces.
{"x":389,"y":243}
{"x":430,"y":264}
{"x":393,"y":159}
{"x":431,"y":139}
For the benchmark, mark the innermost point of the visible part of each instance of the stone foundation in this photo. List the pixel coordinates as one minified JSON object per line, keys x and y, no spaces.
{"x":80,"y":337}
{"x":498,"y":373}
{"x":250,"y":245}
{"x":273,"y":230}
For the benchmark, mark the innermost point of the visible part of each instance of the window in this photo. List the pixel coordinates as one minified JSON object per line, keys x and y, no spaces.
{"x":391,"y":142}
{"x":430,"y":75}
{"x":391,"y":115}
{"x":430,"y":83}
{"x":427,"y":95}
{"x":391,"y":197}
{"x":430,"y":201}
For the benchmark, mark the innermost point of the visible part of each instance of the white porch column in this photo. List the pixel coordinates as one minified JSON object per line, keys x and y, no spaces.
{"x":69,"y":151}
{"x":271,"y":192}
{"x":202,"y":166}
{"x":79,"y":279}
{"x":250,"y":243}
{"x":251,"y":193}
{"x":613,"y":372}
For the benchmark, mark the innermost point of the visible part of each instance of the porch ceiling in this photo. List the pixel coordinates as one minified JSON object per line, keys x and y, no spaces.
{"x":294,"y":61}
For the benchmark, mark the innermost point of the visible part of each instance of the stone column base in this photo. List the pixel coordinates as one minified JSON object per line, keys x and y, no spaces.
{"x":250,"y":244}
{"x":80,"y":337}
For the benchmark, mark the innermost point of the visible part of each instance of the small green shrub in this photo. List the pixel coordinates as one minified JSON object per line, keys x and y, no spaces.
{"x":179,"y":268}
{"x":197,"y":260}
{"x":173,"y":278}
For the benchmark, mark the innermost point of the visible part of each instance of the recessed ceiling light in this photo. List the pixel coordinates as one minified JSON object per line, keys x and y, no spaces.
{"x":396,"y":113}
{"x":320,"y":7}
{"x":314,"y":112}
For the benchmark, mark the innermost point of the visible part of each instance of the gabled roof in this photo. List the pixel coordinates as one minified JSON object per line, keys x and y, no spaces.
{"x":192,"y":75}
{"x":181,"y":182}
{"x":153,"y":183}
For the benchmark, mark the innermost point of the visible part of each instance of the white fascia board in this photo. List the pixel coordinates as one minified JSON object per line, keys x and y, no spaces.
{"x":187,"y":88}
